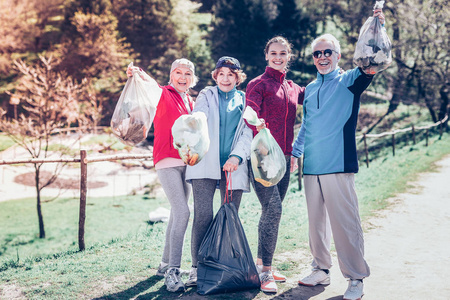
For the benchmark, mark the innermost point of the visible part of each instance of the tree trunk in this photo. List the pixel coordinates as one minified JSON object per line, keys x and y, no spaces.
{"x":369,"y":130}
{"x":429,"y":105}
{"x":444,"y":110}
{"x":38,"y":203}
{"x":428,"y":102}
{"x":398,"y":82}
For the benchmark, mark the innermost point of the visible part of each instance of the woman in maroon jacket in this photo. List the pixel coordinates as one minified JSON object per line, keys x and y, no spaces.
{"x":275,"y":100}
{"x":174,"y":102}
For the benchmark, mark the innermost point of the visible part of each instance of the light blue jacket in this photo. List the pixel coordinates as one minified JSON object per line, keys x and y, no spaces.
{"x":330,"y":114}
{"x":209,"y":167}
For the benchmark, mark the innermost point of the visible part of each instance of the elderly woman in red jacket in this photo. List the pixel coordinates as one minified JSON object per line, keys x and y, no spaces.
{"x":174,"y":102}
{"x":275,"y":100}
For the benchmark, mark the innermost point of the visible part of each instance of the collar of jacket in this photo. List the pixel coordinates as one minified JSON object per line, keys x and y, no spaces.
{"x":172,"y":89}
{"x":329,"y":76}
{"x":276,"y":75}
{"x":226,"y":95}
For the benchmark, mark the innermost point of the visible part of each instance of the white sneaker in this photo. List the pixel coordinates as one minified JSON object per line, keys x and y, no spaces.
{"x":277,"y":276}
{"x":173,"y":281}
{"x":354,"y":290}
{"x":316,"y":277}
{"x":268,"y":284}
{"x":162,"y":269}
{"x":192,"y":280}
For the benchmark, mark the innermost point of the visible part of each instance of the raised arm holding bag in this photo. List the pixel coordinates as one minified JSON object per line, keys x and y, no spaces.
{"x":373,"y":49}
{"x":136,"y":108}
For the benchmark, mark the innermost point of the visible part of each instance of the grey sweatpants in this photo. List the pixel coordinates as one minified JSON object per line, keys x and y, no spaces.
{"x":333,"y":210}
{"x":203,"y":191}
{"x":271,"y":199}
{"x":177,"y":192}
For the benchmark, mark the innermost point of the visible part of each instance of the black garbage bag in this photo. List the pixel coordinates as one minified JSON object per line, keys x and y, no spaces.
{"x":225,"y":262}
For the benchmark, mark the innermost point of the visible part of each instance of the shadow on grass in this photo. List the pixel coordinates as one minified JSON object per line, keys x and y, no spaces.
{"x":191,"y":294}
{"x":303,"y":292}
{"x":138,"y":292}
{"x":137,"y":289}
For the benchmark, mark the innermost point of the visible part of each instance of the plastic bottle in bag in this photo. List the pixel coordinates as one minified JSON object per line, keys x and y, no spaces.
{"x":373,"y":49}
{"x":136,"y":108}
{"x":267,"y":158}
{"x":191,"y":137}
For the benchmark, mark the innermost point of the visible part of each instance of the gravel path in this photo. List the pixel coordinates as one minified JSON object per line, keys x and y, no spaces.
{"x":407,"y":247}
{"x":105,"y":179}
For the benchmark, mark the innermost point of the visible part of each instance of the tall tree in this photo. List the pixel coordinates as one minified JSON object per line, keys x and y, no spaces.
{"x":27,"y":27}
{"x":97,"y":55}
{"x":192,"y":28}
{"x":152,"y":33}
{"x":430,"y":35}
{"x":240,"y":29}
{"x":299,"y":27}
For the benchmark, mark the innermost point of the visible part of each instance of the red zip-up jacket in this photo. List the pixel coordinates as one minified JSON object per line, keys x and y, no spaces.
{"x":170,"y":107}
{"x":275,"y":100}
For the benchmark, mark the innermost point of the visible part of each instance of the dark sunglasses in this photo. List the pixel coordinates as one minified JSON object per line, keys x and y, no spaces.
{"x":326,"y":53}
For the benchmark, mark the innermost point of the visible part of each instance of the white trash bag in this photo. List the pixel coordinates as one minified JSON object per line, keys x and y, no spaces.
{"x":191,"y":137}
{"x":136,"y":108}
{"x":268,"y":161}
{"x":373,"y":49}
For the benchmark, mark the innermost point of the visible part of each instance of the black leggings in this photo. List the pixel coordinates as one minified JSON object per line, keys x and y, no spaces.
{"x":271,"y":199}
{"x":203,"y":191}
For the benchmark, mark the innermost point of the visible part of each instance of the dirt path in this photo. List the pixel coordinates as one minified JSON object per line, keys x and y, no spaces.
{"x":407,"y":247}
{"x":105,"y":179}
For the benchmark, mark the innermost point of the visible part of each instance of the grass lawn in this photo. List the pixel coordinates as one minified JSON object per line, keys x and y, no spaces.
{"x":124,"y":250}
{"x":5,"y":142}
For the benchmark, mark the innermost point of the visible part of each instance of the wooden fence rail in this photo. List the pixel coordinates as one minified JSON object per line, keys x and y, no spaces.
{"x":84,"y":160}
{"x":394,"y":132}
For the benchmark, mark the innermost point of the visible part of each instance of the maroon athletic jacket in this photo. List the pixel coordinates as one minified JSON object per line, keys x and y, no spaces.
{"x":275,"y":100}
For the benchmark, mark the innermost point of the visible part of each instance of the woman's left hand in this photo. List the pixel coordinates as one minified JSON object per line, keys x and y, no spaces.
{"x":262,"y":126}
{"x":294,"y":165}
{"x":231,"y":165}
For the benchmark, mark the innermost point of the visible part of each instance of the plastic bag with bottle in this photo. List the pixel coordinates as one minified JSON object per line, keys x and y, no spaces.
{"x":136,"y":108}
{"x":267,"y":158}
{"x":373,"y":49}
{"x":191,"y":137}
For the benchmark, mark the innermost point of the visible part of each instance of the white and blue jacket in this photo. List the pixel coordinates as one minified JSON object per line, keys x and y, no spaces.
{"x":210,"y":167}
{"x":330,"y":114}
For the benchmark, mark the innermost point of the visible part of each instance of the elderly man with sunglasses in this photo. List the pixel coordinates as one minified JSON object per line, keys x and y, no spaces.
{"x":327,"y":140}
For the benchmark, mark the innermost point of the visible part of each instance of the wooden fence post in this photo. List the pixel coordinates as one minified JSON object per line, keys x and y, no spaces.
{"x":299,"y":173}
{"x":83,"y":190}
{"x":426,"y":138}
{"x":413,"y":135}
{"x":393,"y":144}
{"x":366,"y":150}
